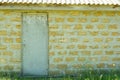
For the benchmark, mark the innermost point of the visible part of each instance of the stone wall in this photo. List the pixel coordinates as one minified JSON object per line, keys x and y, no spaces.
{"x":80,"y":40}
{"x":10,"y":41}
{"x":77,"y":40}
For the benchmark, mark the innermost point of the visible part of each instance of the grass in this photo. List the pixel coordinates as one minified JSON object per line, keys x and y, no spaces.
{"x":83,"y":75}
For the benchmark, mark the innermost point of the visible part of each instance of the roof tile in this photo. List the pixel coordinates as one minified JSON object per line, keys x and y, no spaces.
{"x":86,"y":2}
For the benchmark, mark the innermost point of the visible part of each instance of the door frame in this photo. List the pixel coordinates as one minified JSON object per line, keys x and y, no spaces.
{"x":22,"y":33}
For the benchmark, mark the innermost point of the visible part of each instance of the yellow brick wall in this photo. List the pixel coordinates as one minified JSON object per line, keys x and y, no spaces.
{"x":10,"y":41}
{"x":77,"y":40}
{"x":83,"y":39}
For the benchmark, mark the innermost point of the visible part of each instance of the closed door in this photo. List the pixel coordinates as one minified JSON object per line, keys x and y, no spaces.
{"x":35,"y":44}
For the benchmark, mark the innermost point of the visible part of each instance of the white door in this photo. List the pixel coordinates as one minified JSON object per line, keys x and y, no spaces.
{"x":35,"y":44}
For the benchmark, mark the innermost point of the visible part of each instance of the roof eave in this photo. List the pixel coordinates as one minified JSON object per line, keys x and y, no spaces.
{"x":30,"y":6}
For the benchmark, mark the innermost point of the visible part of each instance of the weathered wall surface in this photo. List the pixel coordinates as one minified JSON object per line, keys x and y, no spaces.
{"x":77,"y":40}
{"x":10,"y":41}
